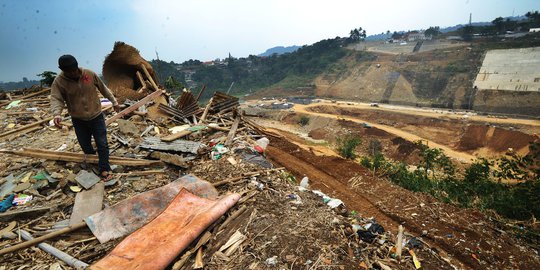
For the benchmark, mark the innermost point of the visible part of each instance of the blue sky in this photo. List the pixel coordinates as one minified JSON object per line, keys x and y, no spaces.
{"x":33,"y":34}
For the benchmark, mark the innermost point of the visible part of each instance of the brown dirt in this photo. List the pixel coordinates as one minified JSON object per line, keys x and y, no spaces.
{"x":494,"y":138}
{"x":453,"y":232}
{"x":318,"y":134}
{"x":473,"y":137}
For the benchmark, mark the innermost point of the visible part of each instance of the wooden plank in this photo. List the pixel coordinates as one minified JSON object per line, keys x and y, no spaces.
{"x":232,"y":132}
{"x":200,"y":93}
{"x":26,"y":131}
{"x":28,"y":96}
{"x":87,"y":203}
{"x":205,"y":113}
{"x":71,"y":261}
{"x":40,"y":239}
{"x":24,"y":213}
{"x":177,"y":135}
{"x":25,"y":127}
{"x":149,"y":77}
{"x":135,"y":106}
{"x":141,"y":80}
{"x":399,"y":242}
{"x":178,"y":145}
{"x":77,"y":157}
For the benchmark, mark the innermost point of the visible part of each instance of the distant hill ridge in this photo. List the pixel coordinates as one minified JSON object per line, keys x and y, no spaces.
{"x":280,"y":50}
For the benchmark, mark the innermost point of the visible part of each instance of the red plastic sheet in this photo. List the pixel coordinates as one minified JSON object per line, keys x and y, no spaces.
{"x":155,"y":245}
{"x":129,"y":215}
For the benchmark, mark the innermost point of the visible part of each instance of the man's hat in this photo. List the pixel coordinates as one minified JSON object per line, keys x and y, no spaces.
{"x":67,"y":62}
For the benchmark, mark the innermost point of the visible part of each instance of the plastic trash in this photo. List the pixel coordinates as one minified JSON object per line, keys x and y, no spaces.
{"x":21,"y":199}
{"x":13,"y":104}
{"x":62,"y":147}
{"x":370,"y":232}
{"x":7,"y":203}
{"x":305,"y":182}
{"x":333,"y":203}
{"x":271,"y":260}
{"x":262,"y":143}
{"x":217,"y":151}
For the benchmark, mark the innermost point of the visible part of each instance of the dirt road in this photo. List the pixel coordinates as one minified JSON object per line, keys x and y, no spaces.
{"x":437,"y":113}
{"x":465,"y":237}
{"x":460,"y":156}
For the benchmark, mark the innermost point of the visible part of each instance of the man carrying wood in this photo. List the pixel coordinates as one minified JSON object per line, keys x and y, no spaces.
{"x":76,"y":88}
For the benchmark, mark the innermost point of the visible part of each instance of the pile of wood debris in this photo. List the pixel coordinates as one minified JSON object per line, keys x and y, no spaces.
{"x":277,"y":223}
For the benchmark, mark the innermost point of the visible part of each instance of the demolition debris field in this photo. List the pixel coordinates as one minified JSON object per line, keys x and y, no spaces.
{"x":299,"y":204}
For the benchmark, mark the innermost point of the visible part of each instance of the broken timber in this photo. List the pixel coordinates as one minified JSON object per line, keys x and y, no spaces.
{"x":42,"y":238}
{"x":155,"y":143}
{"x":177,"y":135}
{"x":28,"y":96}
{"x":77,"y":157}
{"x":71,"y":261}
{"x":26,"y":128}
{"x":135,"y":106}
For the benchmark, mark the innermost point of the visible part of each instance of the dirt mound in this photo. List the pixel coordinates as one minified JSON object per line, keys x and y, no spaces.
{"x":318,"y":134}
{"x":494,"y":138}
{"x":120,"y":71}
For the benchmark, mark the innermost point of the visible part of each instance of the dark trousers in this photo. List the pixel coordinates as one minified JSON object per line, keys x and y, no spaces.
{"x":97,"y":128}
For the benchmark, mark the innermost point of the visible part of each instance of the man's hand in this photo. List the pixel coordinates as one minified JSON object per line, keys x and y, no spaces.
{"x":58,"y":121}
{"x":116,"y":108}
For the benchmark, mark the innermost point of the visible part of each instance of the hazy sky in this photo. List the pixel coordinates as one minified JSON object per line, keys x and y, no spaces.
{"x":34,"y":33}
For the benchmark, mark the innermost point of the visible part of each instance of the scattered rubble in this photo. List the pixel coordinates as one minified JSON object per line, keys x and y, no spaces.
{"x":244,"y":214}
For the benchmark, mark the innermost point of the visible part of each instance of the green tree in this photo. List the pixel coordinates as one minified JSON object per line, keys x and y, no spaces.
{"x":433,"y":31}
{"x":467,"y":32}
{"x":47,"y":78}
{"x":357,"y":34}
{"x":499,"y":24}
{"x":534,"y":18}
{"x":347,"y":145}
{"x":303,"y":121}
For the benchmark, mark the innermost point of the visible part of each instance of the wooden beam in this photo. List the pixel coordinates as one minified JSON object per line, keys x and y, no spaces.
{"x":141,"y":80}
{"x":135,"y":106}
{"x":232,"y":132}
{"x":25,"y":127}
{"x":205,"y":113}
{"x":154,"y":85}
{"x":40,"y":239}
{"x":24,"y":213}
{"x":69,"y":260}
{"x":177,"y":135}
{"x":200,"y":93}
{"x":78,"y":157}
{"x":28,"y":96}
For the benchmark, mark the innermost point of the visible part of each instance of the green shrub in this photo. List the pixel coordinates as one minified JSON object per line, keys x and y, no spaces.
{"x":347,"y":145}
{"x":303,"y":121}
